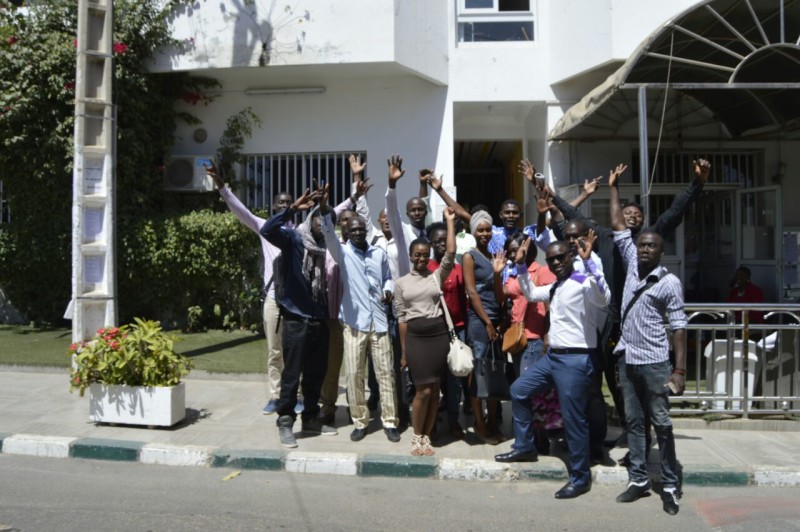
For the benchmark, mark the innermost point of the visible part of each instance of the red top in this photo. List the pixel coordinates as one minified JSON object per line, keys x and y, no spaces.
{"x":455,"y":293}
{"x":532,"y":314}
{"x":750,"y":294}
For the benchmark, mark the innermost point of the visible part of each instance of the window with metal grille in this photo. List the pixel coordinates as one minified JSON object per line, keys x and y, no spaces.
{"x":495,"y":21}
{"x":743,"y":168}
{"x":5,"y":209}
{"x":269,"y":175}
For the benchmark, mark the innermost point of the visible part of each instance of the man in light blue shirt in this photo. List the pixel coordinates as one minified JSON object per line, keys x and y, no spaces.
{"x":367,"y":282}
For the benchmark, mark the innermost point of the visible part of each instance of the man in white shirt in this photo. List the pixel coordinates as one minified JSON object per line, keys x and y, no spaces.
{"x":575,"y":299}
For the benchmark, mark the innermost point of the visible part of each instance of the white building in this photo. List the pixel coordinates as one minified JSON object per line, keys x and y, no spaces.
{"x":469,"y":87}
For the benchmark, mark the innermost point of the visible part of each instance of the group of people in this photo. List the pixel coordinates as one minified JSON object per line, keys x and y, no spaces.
{"x":375,"y":298}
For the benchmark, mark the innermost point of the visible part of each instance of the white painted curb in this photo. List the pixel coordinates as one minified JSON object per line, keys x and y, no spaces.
{"x":326,"y":463}
{"x":176,"y":455}
{"x":612,"y":476}
{"x":34,"y":445}
{"x":484,"y":470}
{"x":776,"y":476}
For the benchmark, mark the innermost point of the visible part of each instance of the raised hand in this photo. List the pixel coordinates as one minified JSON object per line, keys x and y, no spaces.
{"x":362,"y":187}
{"x":544,"y":201}
{"x":449,"y":214}
{"x":528,"y":170}
{"x":613,"y":175}
{"x":424,"y":175}
{"x":211,"y":171}
{"x":396,"y":171}
{"x":435,"y":182}
{"x":522,"y":251}
{"x":590,"y":185}
{"x":306,"y":201}
{"x":585,"y":245}
{"x":499,"y":261}
{"x":356,"y":166}
{"x":702,"y":168}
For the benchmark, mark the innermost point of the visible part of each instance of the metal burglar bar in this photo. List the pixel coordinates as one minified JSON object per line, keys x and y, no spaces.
{"x":93,"y":302}
{"x":269,"y":175}
{"x":743,"y":168}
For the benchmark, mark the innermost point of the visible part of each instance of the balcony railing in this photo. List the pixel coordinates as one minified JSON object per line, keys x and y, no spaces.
{"x":739,"y":367}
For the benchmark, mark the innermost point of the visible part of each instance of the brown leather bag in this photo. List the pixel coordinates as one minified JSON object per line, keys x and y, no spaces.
{"x":514,"y":339}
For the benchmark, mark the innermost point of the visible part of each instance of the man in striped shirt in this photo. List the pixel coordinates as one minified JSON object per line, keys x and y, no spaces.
{"x":650,"y":295}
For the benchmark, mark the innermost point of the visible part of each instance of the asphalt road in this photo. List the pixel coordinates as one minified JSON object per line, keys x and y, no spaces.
{"x":41,"y":494}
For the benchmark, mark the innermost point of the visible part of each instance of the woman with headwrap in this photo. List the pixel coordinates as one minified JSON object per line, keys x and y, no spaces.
{"x":483,"y":316}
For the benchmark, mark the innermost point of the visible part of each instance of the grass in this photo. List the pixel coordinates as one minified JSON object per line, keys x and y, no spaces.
{"x":213,"y":351}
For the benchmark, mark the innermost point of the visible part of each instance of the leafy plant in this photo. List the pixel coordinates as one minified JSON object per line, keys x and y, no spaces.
{"x":139,"y":354}
{"x":238,"y":129}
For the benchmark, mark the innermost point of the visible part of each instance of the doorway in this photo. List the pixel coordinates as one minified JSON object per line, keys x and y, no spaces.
{"x":486,"y":173}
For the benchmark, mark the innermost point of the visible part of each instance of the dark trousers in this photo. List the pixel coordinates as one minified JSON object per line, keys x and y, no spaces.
{"x":305,"y":351}
{"x":571,"y":375}
{"x":608,"y":336}
{"x":453,"y":386}
{"x":646,"y":396}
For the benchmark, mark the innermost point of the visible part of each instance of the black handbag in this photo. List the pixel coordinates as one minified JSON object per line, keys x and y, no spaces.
{"x":407,"y":387}
{"x":489,"y":376}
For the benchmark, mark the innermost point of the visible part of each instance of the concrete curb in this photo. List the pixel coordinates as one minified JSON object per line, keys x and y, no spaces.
{"x":367,"y":465}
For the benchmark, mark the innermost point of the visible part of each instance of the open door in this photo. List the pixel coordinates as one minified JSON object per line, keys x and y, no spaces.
{"x":760,"y":232}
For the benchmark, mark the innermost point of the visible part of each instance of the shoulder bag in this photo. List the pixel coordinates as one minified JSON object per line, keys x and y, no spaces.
{"x":515,"y":340}
{"x":459,"y":359}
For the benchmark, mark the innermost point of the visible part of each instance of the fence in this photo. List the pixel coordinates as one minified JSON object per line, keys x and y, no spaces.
{"x":742,"y":359}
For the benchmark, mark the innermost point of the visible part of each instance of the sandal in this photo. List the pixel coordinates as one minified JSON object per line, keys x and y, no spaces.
{"x":416,"y":445}
{"x":427,"y":448}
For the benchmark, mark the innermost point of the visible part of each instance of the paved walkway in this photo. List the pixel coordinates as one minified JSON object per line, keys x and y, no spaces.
{"x":225,"y":427}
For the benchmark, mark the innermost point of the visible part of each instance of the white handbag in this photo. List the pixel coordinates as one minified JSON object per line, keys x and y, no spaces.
{"x":459,"y":359}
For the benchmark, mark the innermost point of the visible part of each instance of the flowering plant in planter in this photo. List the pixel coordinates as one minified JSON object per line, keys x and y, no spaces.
{"x":138,"y":354}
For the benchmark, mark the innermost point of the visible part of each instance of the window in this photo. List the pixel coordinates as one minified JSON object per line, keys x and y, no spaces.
{"x":268,"y":175}
{"x":5,"y":210}
{"x":495,"y":21}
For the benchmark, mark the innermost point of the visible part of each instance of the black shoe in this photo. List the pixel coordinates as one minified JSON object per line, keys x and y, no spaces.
{"x":570,"y":491}
{"x":327,"y":419}
{"x":358,"y":434}
{"x":670,"y":499}
{"x":391,"y":434}
{"x":517,"y":456}
{"x":285,"y":432}
{"x":633,"y":492}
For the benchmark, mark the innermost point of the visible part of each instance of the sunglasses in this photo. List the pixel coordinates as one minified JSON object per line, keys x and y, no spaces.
{"x":557,"y":258}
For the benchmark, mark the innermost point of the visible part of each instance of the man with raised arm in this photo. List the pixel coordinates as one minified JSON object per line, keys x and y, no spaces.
{"x":368,"y":286}
{"x":647,"y":377}
{"x":302,"y":295}
{"x":615,"y":266}
{"x":574,"y":301}
{"x":417,"y":209}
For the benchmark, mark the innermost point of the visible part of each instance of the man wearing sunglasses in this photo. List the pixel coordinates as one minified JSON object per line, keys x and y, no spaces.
{"x":575,"y":299}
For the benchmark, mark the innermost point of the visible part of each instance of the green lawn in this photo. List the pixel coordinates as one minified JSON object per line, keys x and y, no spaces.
{"x":215,"y":351}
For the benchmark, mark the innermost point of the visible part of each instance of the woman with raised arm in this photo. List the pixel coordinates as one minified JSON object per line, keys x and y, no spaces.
{"x":424,"y":336}
{"x":483,"y":316}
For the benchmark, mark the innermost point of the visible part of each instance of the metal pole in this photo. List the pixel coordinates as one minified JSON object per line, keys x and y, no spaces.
{"x":644,"y":157}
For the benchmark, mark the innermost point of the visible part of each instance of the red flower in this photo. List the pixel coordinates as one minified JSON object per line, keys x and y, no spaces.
{"x":73,"y":347}
{"x":76,"y":380}
{"x":120,"y":48}
{"x":11,"y":40}
{"x":69,"y":86}
{"x":101,"y":330}
{"x":75,"y":42}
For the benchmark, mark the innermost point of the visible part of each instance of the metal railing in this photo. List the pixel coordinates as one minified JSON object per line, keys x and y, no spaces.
{"x":741,"y":359}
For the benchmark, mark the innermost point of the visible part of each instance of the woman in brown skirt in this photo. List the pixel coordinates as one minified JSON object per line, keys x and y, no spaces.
{"x":424,"y":337}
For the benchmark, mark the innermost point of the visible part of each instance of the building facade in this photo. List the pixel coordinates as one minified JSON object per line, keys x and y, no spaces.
{"x":471,"y":87}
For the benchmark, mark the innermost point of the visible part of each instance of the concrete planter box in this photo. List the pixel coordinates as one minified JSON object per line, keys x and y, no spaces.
{"x":137,"y":405}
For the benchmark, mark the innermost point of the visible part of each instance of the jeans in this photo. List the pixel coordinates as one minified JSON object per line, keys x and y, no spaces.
{"x":533,"y":352}
{"x":571,"y":375}
{"x":305,"y":351}
{"x":644,"y":390}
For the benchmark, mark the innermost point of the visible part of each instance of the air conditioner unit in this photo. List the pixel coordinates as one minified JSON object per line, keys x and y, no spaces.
{"x":188,"y":173}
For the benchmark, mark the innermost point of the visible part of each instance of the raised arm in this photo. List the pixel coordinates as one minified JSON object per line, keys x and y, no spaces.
{"x":461,"y":212}
{"x":599,"y":295}
{"x":272,"y":229}
{"x":673,"y":216}
{"x":329,"y":232}
{"x":449,"y":259}
{"x":396,"y":171}
{"x":589,"y":188}
{"x":242,"y":213}
{"x":617,"y":220}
